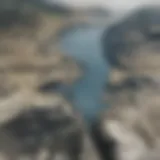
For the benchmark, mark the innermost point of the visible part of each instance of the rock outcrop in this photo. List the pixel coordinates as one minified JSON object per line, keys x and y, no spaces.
{"x":33,"y":122}
{"x":133,"y":90}
{"x":27,"y":63}
{"x":126,"y":41}
{"x":132,"y":120}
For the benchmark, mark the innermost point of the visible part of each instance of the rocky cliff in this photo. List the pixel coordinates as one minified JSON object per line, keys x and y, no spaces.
{"x":33,"y":122}
{"x":132,"y":92}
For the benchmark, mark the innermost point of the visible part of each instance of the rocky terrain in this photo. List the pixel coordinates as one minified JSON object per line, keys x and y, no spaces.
{"x":29,"y":61}
{"x":132,"y":92}
{"x":38,"y":122}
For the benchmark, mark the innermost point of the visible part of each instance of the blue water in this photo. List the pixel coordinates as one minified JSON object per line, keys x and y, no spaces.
{"x":84,"y":46}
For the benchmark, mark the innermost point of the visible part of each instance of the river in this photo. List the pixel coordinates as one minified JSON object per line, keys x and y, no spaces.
{"x":83,"y":44}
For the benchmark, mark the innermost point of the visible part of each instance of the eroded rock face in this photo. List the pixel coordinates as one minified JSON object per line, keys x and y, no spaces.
{"x":22,"y":60}
{"x":45,"y":132}
{"x":132,"y":48}
{"x":127,"y":42}
{"x":42,"y":126}
{"x":35,"y":124}
{"x":38,"y":131}
{"x":28,"y":60}
{"x":127,"y":92}
{"x":24,"y":68}
{"x":132,"y":121}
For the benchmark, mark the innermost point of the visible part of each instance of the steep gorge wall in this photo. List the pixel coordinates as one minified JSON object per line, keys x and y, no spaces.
{"x":28,"y":61}
{"x":133,"y":89}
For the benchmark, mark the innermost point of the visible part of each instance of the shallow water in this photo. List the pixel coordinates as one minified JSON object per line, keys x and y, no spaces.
{"x":83,"y":44}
